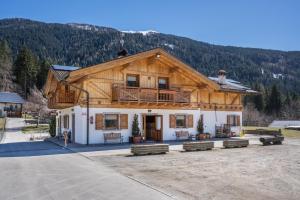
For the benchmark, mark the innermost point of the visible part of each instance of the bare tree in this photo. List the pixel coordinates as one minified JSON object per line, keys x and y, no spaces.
{"x":37,"y":103}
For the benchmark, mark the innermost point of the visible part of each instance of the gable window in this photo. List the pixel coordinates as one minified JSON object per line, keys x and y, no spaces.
{"x":133,"y":80}
{"x":180,"y":121}
{"x":66,"y":121}
{"x":163,"y":83}
{"x":111,"y":121}
{"x":233,"y":120}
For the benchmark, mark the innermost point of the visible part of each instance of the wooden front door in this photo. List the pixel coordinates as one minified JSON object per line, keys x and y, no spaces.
{"x":148,"y":81}
{"x":153,"y":127}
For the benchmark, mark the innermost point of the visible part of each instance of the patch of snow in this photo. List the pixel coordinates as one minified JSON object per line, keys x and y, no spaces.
{"x":169,"y":45}
{"x":277,"y":76}
{"x":86,"y":27}
{"x":147,"y":32}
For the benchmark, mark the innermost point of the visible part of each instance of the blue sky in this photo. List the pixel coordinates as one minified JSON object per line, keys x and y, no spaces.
{"x":271,"y":24}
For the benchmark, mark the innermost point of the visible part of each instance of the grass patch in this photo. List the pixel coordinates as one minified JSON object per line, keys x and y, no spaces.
{"x":2,"y":122}
{"x":285,"y":132}
{"x":34,"y":129}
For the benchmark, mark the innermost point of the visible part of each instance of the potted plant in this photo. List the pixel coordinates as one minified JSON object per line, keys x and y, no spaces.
{"x":136,"y":134}
{"x":200,"y":129}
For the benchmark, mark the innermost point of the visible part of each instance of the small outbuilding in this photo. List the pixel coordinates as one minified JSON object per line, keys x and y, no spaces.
{"x":11,"y":104}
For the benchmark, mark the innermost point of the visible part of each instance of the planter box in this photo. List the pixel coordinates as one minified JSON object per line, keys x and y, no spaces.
{"x":235,"y":143}
{"x":198,"y":146}
{"x":271,"y":140}
{"x":149,"y":149}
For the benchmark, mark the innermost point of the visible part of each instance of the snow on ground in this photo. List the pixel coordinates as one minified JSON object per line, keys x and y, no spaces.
{"x":147,"y":32}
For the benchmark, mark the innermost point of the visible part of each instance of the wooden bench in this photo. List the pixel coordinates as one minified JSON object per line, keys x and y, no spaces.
{"x":149,"y":149}
{"x":198,"y":146}
{"x":235,"y":143}
{"x":182,"y":135}
{"x":112,"y":136}
{"x":271,"y":140}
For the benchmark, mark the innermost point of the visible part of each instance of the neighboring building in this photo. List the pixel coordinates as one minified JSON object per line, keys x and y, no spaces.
{"x":165,"y":93}
{"x":11,"y":104}
{"x":285,"y":123}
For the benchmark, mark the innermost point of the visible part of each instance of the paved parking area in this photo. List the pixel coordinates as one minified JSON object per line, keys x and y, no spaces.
{"x":256,"y":172}
{"x":43,"y":170}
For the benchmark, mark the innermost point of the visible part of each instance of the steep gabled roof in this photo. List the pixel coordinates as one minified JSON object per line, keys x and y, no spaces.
{"x":11,"y":97}
{"x":195,"y":75}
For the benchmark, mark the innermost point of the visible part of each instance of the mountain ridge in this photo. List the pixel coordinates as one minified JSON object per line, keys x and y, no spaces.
{"x":85,"y":44}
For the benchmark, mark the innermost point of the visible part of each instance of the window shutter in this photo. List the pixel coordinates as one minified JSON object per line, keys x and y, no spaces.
{"x":123,"y":121}
{"x":172,"y":121}
{"x":99,"y":122}
{"x":238,"y":120}
{"x":228,"y":119}
{"x":190,"y":121}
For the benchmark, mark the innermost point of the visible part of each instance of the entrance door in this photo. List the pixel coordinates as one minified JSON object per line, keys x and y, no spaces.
{"x":153,"y":129}
{"x":73,"y":129}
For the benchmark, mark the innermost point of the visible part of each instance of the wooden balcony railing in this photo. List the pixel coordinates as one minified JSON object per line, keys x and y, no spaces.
{"x":123,"y":94}
{"x":63,"y":98}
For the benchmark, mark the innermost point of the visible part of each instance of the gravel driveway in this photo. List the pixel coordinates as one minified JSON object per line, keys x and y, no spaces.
{"x":257,"y":172}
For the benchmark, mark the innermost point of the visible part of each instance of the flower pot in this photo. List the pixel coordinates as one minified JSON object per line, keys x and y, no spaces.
{"x":202,"y":136}
{"x":137,"y":139}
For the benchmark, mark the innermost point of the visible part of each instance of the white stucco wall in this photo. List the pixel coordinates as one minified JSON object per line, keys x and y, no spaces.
{"x":211,"y":118}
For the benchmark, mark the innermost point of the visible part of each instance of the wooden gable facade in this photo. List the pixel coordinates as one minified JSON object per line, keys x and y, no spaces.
{"x":151,"y":79}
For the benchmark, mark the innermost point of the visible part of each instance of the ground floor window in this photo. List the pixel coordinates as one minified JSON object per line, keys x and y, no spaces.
{"x":180,"y":121}
{"x":233,"y":120}
{"x":111,"y":121}
{"x":66,"y":121}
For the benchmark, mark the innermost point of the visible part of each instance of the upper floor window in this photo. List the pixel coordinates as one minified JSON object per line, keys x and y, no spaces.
{"x":163,"y":83}
{"x":133,"y":80}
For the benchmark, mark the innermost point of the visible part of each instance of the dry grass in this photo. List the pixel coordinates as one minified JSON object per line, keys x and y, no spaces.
{"x":2,"y":122}
{"x":285,"y":132}
{"x":33,"y":129}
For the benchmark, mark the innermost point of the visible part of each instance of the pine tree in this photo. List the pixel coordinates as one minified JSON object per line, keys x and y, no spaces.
{"x":274,"y":104}
{"x":6,"y":76}
{"x":258,"y":99}
{"x":25,"y":70}
{"x":42,"y":74}
{"x":135,"y":126}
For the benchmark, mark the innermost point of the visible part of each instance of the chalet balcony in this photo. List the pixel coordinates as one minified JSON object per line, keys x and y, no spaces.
{"x":61,"y":99}
{"x":150,"y":95}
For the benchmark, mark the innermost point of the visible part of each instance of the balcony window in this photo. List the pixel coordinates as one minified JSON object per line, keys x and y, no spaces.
{"x":111,"y":121}
{"x":180,"y":121}
{"x":163,"y":83}
{"x":133,"y":80}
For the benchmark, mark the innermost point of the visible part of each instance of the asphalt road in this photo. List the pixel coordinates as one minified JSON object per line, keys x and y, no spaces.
{"x":42,"y":170}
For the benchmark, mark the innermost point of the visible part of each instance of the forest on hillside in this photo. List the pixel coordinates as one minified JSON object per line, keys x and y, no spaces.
{"x":28,"y":48}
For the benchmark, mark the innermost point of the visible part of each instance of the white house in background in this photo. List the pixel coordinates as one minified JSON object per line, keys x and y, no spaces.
{"x":165,"y":93}
{"x":11,"y":104}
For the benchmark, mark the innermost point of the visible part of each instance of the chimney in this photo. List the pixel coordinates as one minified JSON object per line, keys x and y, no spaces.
{"x":222,"y":77}
{"x":122,"y":53}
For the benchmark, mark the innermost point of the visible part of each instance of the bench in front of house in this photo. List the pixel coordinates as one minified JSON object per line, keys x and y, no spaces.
{"x":112,"y":136}
{"x":235,"y":143}
{"x":146,"y":149}
{"x":182,"y":135}
{"x":198,"y":146}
